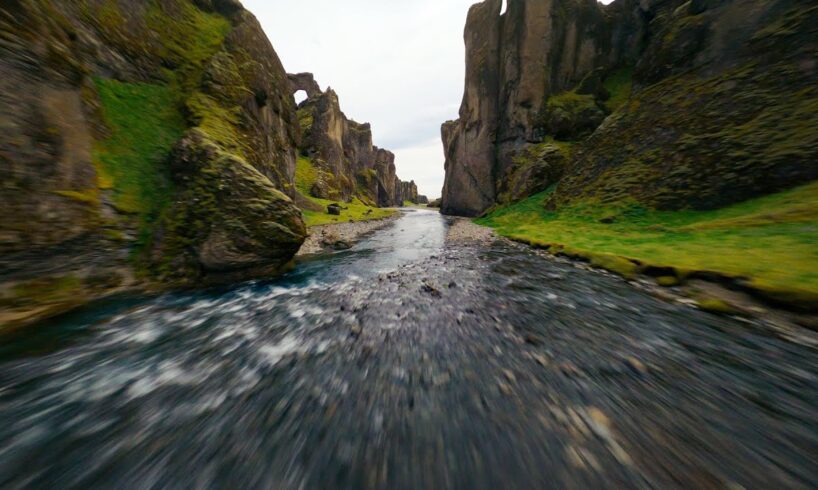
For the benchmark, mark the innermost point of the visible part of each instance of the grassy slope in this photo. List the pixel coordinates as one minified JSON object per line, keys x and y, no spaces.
{"x":144,"y":123}
{"x":305,"y":176}
{"x":771,"y":240}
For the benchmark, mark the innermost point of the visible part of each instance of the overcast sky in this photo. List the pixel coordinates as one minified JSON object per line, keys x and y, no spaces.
{"x":397,"y":64}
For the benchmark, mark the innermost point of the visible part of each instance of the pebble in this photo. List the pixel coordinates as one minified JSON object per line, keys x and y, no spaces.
{"x":636,"y":365}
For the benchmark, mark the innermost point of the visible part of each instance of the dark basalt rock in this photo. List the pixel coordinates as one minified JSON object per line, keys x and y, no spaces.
{"x":672,"y":103}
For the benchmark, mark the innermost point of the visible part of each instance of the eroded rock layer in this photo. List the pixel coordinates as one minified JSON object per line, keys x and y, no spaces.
{"x":671,"y":103}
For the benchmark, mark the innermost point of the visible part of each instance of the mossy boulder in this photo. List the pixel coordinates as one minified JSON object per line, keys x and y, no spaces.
{"x":534,"y":169}
{"x":229,"y":221}
{"x":571,"y":115}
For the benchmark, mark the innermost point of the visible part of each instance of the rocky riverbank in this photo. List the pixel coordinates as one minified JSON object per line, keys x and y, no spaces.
{"x":464,"y":231}
{"x":340,"y":236}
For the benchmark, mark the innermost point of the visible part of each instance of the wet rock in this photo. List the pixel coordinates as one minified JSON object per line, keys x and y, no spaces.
{"x":427,"y":288}
{"x":341,"y":245}
{"x":334,"y":209}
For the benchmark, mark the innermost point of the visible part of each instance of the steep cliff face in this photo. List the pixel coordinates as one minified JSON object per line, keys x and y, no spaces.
{"x":409,"y":192}
{"x":142,"y":141}
{"x":688,"y":103}
{"x":346,"y":163}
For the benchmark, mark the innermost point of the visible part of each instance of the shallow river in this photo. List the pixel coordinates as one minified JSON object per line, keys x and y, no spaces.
{"x":408,"y":362}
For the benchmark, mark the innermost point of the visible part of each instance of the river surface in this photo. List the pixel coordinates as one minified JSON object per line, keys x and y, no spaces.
{"x":410,"y":363}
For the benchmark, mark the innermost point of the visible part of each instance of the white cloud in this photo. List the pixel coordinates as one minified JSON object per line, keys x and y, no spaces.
{"x":397,"y":64}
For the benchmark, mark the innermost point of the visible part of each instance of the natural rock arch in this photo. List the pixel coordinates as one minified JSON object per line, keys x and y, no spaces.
{"x":305,"y":82}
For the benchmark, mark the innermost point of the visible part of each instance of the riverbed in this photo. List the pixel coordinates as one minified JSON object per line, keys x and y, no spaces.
{"x":410,"y":361}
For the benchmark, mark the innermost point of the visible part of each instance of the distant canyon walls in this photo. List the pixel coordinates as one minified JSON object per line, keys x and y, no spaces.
{"x":668,"y":102}
{"x":340,"y":151}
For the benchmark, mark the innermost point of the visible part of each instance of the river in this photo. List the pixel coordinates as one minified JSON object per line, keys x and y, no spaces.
{"x":410,"y":362}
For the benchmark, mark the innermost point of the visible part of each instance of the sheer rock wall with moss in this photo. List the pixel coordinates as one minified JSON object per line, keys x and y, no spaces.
{"x":347,"y":163}
{"x":670,"y":103}
{"x":147,"y":143}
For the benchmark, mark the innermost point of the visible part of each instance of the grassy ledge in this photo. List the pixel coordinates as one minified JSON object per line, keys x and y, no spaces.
{"x":306,"y":175}
{"x":768,"y":244}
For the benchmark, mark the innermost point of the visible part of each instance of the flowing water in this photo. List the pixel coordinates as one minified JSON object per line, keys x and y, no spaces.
{"x":410,"y":362}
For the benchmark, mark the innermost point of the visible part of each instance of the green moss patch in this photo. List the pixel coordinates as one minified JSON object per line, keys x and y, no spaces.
{"x":619,"y":85}
{"x":144,"y":124}
{"x":770,"y":240}
{"x":717,"y":306}
{"x":306,"y":174}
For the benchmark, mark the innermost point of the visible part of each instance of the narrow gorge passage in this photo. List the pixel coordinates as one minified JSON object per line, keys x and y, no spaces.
{"x":410,"y":361}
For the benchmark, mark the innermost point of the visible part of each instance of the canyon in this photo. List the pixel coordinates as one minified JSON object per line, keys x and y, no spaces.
{"x":155,"y":146}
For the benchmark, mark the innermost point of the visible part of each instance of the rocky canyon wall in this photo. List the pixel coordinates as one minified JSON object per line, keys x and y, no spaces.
{"x":141,"y":143}
{"x":672,"y":103}
{"x":341,"y":153}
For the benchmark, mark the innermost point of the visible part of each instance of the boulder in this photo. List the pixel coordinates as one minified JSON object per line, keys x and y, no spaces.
{"x":334,"y":209}
{"x":229,"y":222}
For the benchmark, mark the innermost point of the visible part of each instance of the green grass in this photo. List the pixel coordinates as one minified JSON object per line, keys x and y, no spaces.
{"x":189,"y":37}
{"x":571,"y":101}
{"x":619,"y":84}
{"x":306,"y":175}
{"x":770,"y":240}
{"x":358,"y":211}
{"x":144,"y":124}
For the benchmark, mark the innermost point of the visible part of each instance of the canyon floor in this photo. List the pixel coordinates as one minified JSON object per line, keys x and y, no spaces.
{"x":429,"y":355}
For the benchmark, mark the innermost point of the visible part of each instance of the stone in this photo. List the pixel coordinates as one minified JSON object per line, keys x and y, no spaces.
{"x":248,"y":226}
{"x":334,"y":209}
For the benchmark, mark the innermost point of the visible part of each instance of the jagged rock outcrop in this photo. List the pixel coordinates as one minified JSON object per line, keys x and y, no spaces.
{"x":346,"y":162}
{"x":672,"y":103}
{"x":386,"y":179}
{"x":94,"y":98}
{"x":305,"y":82}
{"x":423,"y":199}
